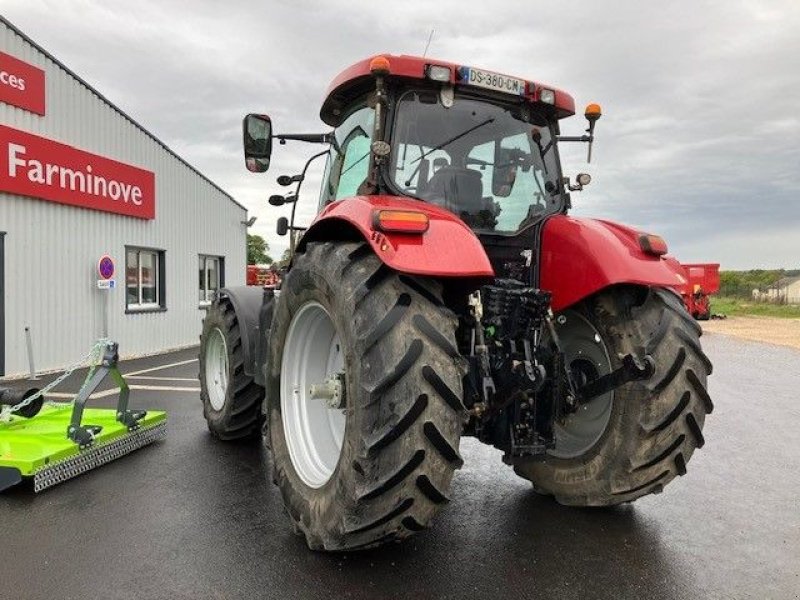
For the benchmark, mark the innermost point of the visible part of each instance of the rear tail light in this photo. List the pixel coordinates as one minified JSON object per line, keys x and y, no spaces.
{"x":400,"y":221}
{"x":653,"y":244}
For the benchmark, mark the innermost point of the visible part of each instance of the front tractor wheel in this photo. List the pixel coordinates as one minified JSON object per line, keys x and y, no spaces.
{"x":364,"y":398}
{"x":635,"y":440}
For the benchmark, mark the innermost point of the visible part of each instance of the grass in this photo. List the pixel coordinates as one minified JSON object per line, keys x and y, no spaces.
{"x":728,"y":305}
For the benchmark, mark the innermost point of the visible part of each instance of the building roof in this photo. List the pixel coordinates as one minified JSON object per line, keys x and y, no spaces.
{"x":785,"y":282}
{"x":113,"y":106}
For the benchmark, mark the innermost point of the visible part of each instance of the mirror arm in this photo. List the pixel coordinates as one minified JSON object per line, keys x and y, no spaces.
{"x":581,"y":138}
{"x":575,"y":138}
{"x":312,"y":138}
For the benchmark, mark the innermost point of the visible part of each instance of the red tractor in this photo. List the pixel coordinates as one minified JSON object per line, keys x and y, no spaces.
{"x":441,"y":291}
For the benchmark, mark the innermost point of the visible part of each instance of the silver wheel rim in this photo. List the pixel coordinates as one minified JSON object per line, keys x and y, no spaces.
{"x":217,"y":368}
{"x":585,"y":351}
{"x":314,"y":432}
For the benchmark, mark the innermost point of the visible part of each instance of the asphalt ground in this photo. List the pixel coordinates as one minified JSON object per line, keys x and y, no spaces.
{"x":191,"y":517}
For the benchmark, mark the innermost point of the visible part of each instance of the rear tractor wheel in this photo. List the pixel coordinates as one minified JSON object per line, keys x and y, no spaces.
{"x":232,"y":402}
{"x":364,"y":398}
{"x":635,"y":440}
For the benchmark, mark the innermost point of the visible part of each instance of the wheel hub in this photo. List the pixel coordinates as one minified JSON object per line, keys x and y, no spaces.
{"x":331,"y":392}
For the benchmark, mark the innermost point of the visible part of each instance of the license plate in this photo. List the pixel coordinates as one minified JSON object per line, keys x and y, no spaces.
{"x":492,"y":81}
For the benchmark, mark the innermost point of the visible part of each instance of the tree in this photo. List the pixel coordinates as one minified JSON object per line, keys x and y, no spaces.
{"x":284,"y":261}
{"x":257,"y":249}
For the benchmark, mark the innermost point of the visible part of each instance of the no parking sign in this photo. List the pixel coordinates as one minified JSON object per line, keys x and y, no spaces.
{"x":106,"y":269}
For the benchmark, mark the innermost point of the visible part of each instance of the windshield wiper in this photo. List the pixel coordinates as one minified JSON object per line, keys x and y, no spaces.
{"x":442,"y":145}
{"x":354,"y":164}
{"x":451,"y":140}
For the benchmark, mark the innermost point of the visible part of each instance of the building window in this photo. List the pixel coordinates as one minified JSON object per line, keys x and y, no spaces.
{"x":211,"y":270}
{"x":144,"y":279}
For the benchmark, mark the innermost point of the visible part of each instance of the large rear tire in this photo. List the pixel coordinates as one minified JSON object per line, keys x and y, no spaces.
{"x":377,"y":467}
{"x":232,"y":402}
{"x":646,"y":431}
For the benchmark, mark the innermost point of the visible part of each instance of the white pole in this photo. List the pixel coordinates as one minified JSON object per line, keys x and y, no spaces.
{"x":29,"y":344}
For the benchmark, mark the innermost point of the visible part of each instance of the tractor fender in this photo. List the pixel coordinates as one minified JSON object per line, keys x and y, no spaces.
{"x":448,"y":248}
{"x":581,"y":256}
{"x":247,"y":302}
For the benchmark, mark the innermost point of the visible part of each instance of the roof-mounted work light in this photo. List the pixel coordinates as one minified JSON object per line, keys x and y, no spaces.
{"x":438,"y":73}
{"x":547,"y":96}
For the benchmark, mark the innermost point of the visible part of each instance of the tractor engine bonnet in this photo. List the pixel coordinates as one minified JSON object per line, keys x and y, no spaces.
{"x":358,"y":80}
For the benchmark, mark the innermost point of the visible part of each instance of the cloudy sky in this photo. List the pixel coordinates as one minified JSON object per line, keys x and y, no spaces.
{"x":699,"y":140}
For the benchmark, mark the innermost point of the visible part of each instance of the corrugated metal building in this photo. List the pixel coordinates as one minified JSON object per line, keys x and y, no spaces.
{"x":78,"y":180}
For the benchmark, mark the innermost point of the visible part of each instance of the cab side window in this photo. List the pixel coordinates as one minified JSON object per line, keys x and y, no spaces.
{"x":355,"y":163}
{"x":348,"y":164}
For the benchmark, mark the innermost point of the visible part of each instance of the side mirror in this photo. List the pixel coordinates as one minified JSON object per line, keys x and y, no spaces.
{"x":282,"y":227}
{"x":257,"y":138}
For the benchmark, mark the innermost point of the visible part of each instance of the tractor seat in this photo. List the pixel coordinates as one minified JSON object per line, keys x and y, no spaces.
{"x":457,"y":189}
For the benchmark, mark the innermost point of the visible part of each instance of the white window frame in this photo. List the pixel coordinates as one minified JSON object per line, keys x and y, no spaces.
{"x":208,"y":295}
{"x":140,"y":305}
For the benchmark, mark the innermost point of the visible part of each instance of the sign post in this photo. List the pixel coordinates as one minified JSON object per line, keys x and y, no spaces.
{"x":105,"y":283}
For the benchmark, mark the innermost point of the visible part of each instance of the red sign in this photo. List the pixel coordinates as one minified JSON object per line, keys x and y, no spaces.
{"x":21,"y":84}
{"x":40,"y":168}
{"x":105,"y":267}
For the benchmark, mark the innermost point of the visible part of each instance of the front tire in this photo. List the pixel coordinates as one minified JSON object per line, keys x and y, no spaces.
{"x":379,"y":469}
{"x":651,"y":428}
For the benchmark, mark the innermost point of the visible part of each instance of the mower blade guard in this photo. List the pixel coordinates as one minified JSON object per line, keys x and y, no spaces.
{"x":39,"y":447}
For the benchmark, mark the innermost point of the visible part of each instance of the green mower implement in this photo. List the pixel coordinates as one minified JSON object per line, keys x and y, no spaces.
{"x":51,"y":442}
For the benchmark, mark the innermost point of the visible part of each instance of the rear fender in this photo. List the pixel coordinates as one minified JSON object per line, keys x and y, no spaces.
{"x":448,"y":248}
{"x":580,"y":257}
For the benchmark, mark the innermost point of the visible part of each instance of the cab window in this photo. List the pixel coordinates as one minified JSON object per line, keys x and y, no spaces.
{"x":349,"y":160}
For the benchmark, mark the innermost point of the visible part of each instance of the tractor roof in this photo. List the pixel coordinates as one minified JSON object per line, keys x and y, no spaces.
{"x":358,"y":79}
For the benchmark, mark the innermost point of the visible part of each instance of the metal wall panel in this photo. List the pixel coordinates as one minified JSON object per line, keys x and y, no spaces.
{"x":51,"y":249}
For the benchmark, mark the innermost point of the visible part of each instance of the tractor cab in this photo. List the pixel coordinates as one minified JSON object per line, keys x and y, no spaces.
{"x":480,"y":144}
{"x":493,"y":164}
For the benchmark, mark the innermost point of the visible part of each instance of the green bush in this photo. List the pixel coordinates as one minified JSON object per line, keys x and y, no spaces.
{"x":740,"y":284}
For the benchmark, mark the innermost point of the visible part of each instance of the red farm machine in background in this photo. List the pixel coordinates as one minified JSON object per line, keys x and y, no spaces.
{"x":702,"y":281}
{"x":262,"y":276}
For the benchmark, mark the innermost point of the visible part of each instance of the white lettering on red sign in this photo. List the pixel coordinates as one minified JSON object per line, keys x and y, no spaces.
{"x":15,"y":82}
{"x":65,"y":178}
{"x":41,"y":168}
{"x":21,"y":84}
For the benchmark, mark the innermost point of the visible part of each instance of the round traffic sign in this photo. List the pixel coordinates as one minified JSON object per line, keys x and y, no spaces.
{"x":105,"y":267}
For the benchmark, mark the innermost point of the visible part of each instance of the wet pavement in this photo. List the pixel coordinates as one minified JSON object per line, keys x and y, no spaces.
{"x":194,"y":518}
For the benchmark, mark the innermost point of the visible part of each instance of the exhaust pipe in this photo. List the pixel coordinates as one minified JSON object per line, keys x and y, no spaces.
{"x":12,"y":397}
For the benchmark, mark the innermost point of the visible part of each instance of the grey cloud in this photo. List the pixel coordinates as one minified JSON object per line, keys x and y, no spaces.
{"x":697,"y":141}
